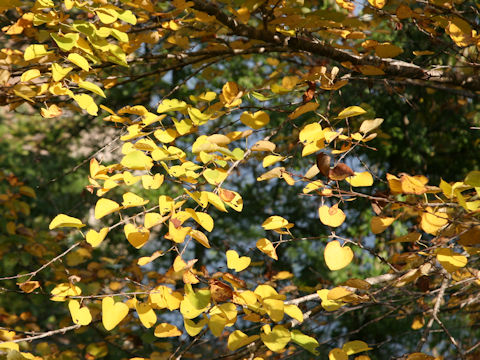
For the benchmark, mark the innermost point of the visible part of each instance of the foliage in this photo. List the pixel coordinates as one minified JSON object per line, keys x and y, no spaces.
{"x":285,"y":179}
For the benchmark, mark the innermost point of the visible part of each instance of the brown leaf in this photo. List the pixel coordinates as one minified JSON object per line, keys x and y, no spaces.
{"x":234,"y":280}
{"x":340,"y":172}
{"x":323,"y":163}
{"x":220,"y":291}
{"x":29,"y":286}
{"x":226,"y":195}
{"x":310,"y":92}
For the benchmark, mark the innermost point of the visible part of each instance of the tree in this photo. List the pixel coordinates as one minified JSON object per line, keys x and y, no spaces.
{"x":286,"y":178}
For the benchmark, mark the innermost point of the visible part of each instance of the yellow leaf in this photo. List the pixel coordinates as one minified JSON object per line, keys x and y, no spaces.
{"x":360,"y":179}
{"x":105,"y":207}
{"x":271,"y":159}
{"x":336,"y":256}
{"x":327,"y":304}
{"x":137,"y":237}
{"x":216,"y":201}
{"x":387,"y":50}
{"x":216,"y":324}
{"x":275,"y":222}
{"x":235,"y":262}
{"x":238,"y":339}
{"x":59,"y":72}
{"x":95,"y":238}
{"x":275,"y":339}
{"x":128,"y":17}
{"x":256,"y":120}
{"x":86,"y":102}
{"x":112,"y":313}
{"x":200,"y":237}
{"x":152,"y":182}
{"x":92,"y":87}
{"x":137,"y":160}
{"x":369,"y":125}
{"x":79,"y":60}
{"x":62,"y":290}
{"x":266,"y":246}
{"x":51,"y":112}
{"x":418,"y":322}
{"x":166,"y":330}
{"x":144,"y":260}
{"x":451,"y":260}
{"x":131,"y":200}
{"x":63,"y":220}
{"x":294,"y":312}
{"x":337,"y":354}
{"x":107,"y":15}
{"x":264,"y":145}
{"x":146,"y":314}
{"x":35,"y":51}
{"x":80,"y":316}
{"x":65,"y":42}
{"x":338,"y":293}
{"x":331,"y":216}
{"x":30,"y":75}
{"x":215,"y":176}
{"x":379,"y":4}
{"x":311,"y":106}
{"x":432,"y":221}
{"x":354,"y":347}
{"x":350,"y":112}
{"x":203,"y":219}
{"x":192,"y":328}
{"x":379,"y":224}
{"x":171,"y":105}
{"x":230,"y":92}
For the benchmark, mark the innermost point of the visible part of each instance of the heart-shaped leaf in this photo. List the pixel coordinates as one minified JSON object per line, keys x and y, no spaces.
{"x":236,"y":262}
{"x":336,"y":256}
{"x":112,"y":313}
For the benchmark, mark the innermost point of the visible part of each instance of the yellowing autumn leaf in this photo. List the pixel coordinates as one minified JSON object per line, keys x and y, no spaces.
{"x":337,"y":354}
{"x":95,"y":238}
{"x":112,"y":313}
{"x":136,"y":236}
{"x":355,"y":346}
{"x":236,"y":262}
{"x":369,"y":125}
{"x":238,"y":339}
{"x":337,"y":256}
{"x":193,"y":328}
{"x":137,"y":160}
{"x":256,"y":120}
{"x":80,"y":315}
{"x":146,"y":314}
{"x":451,"y":260}
{"x":63,"y":220}
{"x":275,"y":339}
{"x":30,"y":75}
{"x":275,"y":222}
{"x":351,"y":111}
{"x":61,"y":291}
{"x":105,"y":207}
{"x":132,"y":200}
{"x":266,"y":246}
{"x":51,"y":112}
{"x":360,"y":179}
{"x":79,"y":60}
{"x":379,"y":4}
{"x":35,"y":51}
{"x":387,"y":50}
{"x":432,"y":221}
{"x":331,"y":216}
{"x":310,"y":106}
{"x":166,"y":330}
{"x":379,"y":224}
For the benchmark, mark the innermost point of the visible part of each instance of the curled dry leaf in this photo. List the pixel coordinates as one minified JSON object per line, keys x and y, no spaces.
{"x":323,"y":163}
{"x":340,"y":172}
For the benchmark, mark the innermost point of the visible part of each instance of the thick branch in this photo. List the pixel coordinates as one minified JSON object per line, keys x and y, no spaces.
{"x":391,"y":67}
